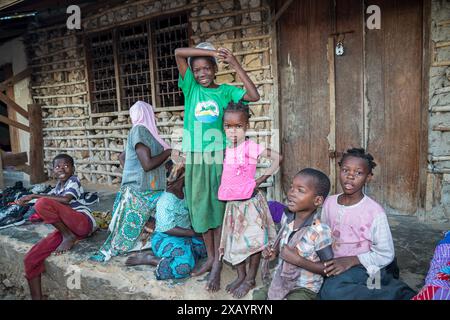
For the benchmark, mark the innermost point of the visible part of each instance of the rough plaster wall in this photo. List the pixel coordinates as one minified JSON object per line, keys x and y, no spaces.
{"x":439,"y":141}
{"x":14,"y":52}
{"x":215,"y":21}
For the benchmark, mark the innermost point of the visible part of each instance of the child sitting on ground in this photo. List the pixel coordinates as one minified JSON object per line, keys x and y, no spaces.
{"x":362,"y":240}
{"x":176,"y":247}
{"x":247,"y":225}
{"x":304,"y":241}
{"x":65,"y":207}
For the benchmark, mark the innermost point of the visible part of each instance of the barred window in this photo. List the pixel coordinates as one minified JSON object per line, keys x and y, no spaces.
{"x":169,"y":34}
{"x":136,"y":62}
{"x":102,"y":75}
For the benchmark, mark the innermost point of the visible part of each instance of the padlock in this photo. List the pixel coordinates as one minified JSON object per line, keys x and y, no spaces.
{"x":339,"y":49}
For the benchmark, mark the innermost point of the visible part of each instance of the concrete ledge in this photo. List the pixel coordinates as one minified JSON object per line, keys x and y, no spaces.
{"x":414,"y":244}
{"x":111,"y":280}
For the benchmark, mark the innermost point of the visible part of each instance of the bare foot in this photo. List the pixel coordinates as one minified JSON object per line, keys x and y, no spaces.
{"x":142,"y":258}
{"x":66,"y":244}
{"x":203,"y":269}
{"x":244,"y":288}
{"x":213,"y":283}
{"x":233,"y":285}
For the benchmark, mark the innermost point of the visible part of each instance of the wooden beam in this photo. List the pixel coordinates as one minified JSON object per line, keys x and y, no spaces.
{"x":12,"y":104}
{"x":443,"y":23}
{"x":14,"y":123}
{"x":36,"y":145}
{"x":332,"y":107}
{"x":441,"y":128}
{"x":281,"y":11}
{"x":442,"y":44}
{"x":444,"y":63}
{"x":440,"y":109}
{"x":11,"y":114}
{"x":14,"y":79}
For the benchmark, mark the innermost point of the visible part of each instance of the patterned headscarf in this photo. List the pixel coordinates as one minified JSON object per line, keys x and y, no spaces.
{"x":141,"y":113}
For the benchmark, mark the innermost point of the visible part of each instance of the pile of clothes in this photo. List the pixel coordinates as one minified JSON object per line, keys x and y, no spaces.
{"x":12,"y":214}
{"x":437,"y":282}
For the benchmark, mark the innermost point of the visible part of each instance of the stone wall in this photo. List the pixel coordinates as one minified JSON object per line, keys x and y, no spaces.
{"x":60,"y":81}
{"x":438,"y":182}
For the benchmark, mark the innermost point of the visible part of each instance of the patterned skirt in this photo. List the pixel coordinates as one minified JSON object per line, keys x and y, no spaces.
{"x":131,"y":211}
{"x":247,"y":228}
{"x":178,"y":255}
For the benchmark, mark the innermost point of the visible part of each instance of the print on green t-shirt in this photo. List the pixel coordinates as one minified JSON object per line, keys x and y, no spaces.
{"x":203,"y":113}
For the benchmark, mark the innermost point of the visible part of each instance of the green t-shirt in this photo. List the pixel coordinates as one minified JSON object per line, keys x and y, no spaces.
{"x":203,"y":113}
{"x":134,"y":175}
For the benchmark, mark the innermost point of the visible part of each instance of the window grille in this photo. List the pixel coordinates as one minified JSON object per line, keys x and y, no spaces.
{"x":136,"y":62}
{"x":102,"y":73}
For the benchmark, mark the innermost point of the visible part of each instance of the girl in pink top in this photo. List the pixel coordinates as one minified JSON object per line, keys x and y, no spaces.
{"x":247,"y":226}
{"x":363,"y":266}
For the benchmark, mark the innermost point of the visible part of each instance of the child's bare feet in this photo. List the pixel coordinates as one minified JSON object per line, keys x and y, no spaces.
{"x":204,"y":268}
{"x":244,"y":288}
{"x":67,"y":243}
{"x":213,"y":284}
{"x":235,"y":284}
{"x":142,"y":258}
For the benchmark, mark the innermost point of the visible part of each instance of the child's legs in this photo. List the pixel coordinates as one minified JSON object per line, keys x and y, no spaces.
{"x":35,"y":288}
{"x":208,"y":238}
{"x":35,"y":258}
{"x":261,"y":293}
{"x":253,"y":267}
{"x":214,"y":277}
{"x":250,"y":278}
{"x":241,"y":273}
{"x":54,"y":212}
{"x":301,"y":294}
{"x":354,"y":284}
{"x":296,"y":294}
{"x":202,"y":180}
{"x":217,"y":234}
{"x":199,"y":248}
{"x":176,"y":262}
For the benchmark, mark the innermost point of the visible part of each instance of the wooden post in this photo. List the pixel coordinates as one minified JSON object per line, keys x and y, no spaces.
{"x":36,"y":144}
{"x":332,"y":135}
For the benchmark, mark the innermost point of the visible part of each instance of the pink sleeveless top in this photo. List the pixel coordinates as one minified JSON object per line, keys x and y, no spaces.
{"x":350,"y":225}
{"x":239,"y":168}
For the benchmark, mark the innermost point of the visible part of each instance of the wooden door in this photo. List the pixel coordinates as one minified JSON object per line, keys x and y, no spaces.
{"x":378,"y":93}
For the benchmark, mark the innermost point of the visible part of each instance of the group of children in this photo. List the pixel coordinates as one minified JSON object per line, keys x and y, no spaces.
{"x":332,"y":255}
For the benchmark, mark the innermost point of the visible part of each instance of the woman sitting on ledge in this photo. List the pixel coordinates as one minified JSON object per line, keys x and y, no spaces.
{"x":143,"y":181}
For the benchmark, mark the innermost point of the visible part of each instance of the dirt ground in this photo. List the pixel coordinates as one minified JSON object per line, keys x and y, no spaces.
{"x":414,"y":243}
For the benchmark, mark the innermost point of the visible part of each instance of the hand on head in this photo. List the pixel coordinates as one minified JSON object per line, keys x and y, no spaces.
{"x":225,"y":55}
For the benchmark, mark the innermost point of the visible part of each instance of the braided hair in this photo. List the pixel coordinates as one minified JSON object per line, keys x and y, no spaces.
{"x":239,"y":106}
{"x":359,"y":153}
